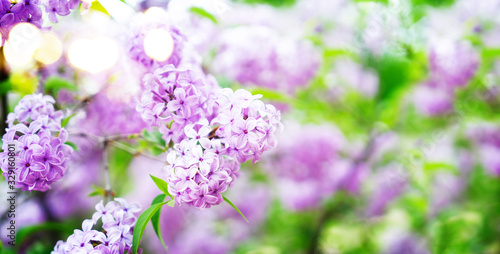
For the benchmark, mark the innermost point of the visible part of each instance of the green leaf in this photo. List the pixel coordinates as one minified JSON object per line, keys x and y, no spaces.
{"x":203,"y":13}
{"x":155,"y":220}
{"x":171,"y":203}
{"x":155,"y":137}
{"x":162,"y":185}
{"x":140,"y":226}
{"x":156,"y":151}
{"x":119,"y":167}
{"x":98,"y":191}
{"x":235,"y":208}
{"x":72,"y":145}
{"x":54,"y":84}
{"x":65,"y":121}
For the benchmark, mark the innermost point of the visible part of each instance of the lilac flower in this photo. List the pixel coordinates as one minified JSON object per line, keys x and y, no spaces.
{"x":210,"y":128}
{"x":389,"y":184}
{"x":41,"y":152}
{"x":486,"y":137}
{"x":430,"y":100}
{"x":257,"y":56}
{"x":118,"y":223}
{"x":405,"y":243}
{"x":305,"y":165}
{"x":453,"y":64}
{"x":446,"y":189}
{"x":30,"y":11}
{"x":107,"y":116}
{"x":56,"y":7}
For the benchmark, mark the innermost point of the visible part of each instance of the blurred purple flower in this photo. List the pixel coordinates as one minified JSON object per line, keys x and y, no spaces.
{"x":452,"y":64}
{"x":305,"y":165}
{"x":389,"y":184}
{"x":406,"y":244}
{"x":257,"y":56}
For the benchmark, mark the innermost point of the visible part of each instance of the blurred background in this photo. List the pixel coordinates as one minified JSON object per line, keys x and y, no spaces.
{"x":391,"y":113}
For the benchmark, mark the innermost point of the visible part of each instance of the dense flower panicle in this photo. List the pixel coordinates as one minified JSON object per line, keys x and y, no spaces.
{"x":174,"y":98}
{"x":257,"y":56}
{"x":40,"y":150}
{"x":30,"y":11}
{"x":118,"y":221}
{"x":145,"y":24}
{"x":213,"y":130}
{"x":198,"y":176}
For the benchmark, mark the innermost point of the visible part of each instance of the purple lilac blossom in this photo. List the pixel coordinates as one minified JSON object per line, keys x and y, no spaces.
{"x":106,"y":116}
{"x":405,"y":243}
{"x":218,"y":230}
{"x":452,"y":65}
{"x":257,"y":56}
{"x":213,"y":131}
{"x":445,"y":190}
{"x":305,"y":165}
{"x":30,"y":11}
{"x":486,"y":138}
{"x":389,"y":183}
{"x":40,"y":150}
{"x":118,"y":221}
{"x":431,"y":100}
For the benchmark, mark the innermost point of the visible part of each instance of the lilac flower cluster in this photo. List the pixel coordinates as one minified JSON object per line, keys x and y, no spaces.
{"x":451,"y":66}
{"x":138,"y":34}
{"x":118,"y":221}
{"x":30,"y":11}
{"x":41,"y":153}
{"x":213,"y":130}
{"x":256,"y":55}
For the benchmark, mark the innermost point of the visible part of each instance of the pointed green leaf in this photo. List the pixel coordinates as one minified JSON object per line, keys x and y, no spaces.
{"x":162,"y":185}
{"x":203,"y":13}
{"x":75,"y":148}
{"x":155,"y":220}
{"x":140,"y":226}
{"x":235,"y":208}
{"x":65,"y":121}
{"x":54,"y":84}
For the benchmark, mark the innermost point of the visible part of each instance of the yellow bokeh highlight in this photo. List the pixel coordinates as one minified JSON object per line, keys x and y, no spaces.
{"x":50,"y":49}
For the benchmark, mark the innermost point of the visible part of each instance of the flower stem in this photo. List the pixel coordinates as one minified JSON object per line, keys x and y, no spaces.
{"x":107,"y":178}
